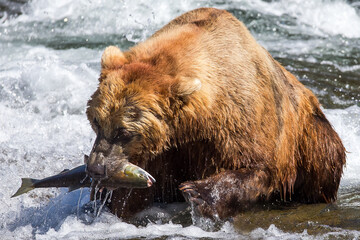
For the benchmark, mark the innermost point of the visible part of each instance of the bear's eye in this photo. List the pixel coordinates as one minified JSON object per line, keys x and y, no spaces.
{"x":96,"y":125}
{"x":122,"y":136}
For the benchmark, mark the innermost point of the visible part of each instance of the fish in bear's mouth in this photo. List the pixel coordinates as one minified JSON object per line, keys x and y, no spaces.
{"x":124,"y":174}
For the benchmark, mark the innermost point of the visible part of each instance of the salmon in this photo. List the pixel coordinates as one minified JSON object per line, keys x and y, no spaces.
{"x":127,"y":176}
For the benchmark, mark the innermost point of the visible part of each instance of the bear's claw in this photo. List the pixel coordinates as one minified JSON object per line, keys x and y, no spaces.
{"x":192,"y":196}
{"x":190,"y":189}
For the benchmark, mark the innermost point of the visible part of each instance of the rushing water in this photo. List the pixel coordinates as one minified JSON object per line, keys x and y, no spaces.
{"x":49,"y":65}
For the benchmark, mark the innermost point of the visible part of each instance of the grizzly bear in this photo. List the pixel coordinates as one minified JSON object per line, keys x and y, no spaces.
{"x":214,"y":118}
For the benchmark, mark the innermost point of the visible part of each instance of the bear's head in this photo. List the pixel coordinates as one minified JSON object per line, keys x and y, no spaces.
{"x":134,"y":111}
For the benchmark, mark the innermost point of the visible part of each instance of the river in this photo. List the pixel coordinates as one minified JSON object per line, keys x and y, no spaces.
{"x":49,"y":65}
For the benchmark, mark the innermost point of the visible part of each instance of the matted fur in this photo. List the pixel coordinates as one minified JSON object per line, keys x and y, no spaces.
{"x":205,"y":103}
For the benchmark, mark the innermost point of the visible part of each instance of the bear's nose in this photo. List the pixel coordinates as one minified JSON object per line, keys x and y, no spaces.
{"x":96,"y":171}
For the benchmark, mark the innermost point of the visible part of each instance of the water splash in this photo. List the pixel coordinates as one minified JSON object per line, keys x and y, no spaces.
{"x":313,"y":17}
{"x":108,"y":195}
{"x":78,"y":203}
{"x":125,"y":199}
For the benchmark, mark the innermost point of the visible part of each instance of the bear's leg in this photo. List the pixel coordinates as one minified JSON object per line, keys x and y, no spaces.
{"x":227,"y":193}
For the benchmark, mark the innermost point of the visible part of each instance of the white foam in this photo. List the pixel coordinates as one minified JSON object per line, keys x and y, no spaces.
{"x":110,"y":227}
{"x":323,"y":17}
{"x":274,"y":233}
{"x":134,"y":19}
{"x":347,"y":125}
{"x":313,"y":16}
{"x":43,"y":128}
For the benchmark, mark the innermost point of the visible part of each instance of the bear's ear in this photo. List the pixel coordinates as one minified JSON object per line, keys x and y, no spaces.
{"x":186,"y":86}
{"x":112,"y":58}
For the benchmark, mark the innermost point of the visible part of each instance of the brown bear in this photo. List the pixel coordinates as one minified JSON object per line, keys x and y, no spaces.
{"x":203,"y":107}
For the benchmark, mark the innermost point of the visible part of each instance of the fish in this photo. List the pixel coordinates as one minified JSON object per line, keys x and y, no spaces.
{"x":128,"y":176}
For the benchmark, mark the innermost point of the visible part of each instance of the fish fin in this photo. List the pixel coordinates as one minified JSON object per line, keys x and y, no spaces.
{"x":65,"y":170}
{"x":27,"y":184}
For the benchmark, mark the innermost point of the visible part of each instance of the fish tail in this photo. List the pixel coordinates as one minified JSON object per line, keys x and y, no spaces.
{"x":27,"y":184}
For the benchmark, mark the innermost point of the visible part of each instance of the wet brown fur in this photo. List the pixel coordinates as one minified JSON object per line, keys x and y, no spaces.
{"x":207,"y":104}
